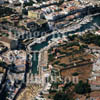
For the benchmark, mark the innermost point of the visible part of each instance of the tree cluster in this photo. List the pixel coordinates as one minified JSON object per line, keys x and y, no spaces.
{"x":5,"y":11}
{"x":82,"y":88}
{"x":91,"y":38}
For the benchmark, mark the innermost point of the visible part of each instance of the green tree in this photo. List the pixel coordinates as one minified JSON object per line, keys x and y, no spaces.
{"x":61,"y":96}
{"x":72,"y":37}
{"x":82,"y":88}
{"x":67,"y":86}
{"x":75,"y":74}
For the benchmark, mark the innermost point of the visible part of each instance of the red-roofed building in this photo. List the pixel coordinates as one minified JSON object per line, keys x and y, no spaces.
{"x":72,"y":8}
{"x":95,"y":95}
{"x":95,"y":83}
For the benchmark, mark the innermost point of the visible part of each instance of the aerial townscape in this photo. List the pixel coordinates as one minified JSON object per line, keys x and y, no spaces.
{"x":49,"y":49}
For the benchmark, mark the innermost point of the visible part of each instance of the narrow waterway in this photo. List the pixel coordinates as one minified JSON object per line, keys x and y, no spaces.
{"x":38,"y":47}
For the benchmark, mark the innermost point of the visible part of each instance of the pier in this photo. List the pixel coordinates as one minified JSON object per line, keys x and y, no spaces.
{"x":96,"y":26}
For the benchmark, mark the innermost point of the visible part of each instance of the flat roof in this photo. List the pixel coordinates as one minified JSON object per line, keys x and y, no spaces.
{"x":5,"y":39}
{"x":40,"y":21}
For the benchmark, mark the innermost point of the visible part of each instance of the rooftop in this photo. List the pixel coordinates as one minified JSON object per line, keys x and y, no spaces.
{"x":5,"y":39}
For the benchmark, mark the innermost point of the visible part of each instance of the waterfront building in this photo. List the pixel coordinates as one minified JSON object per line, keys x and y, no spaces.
{"x":33,"y":79}
{"x":20,"y":1}
{"x":34,"y":24}
{"x":97,"y":32}
{"x":34,"y":15}
{"x":94,"y":80}
{"x":10,"y":43}
{"x":45,"y":78}
{"x":44,"y":59}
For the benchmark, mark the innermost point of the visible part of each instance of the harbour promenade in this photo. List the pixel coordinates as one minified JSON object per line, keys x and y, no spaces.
{"x":70,"y":27}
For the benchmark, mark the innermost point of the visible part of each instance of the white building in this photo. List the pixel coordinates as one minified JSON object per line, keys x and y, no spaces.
{"x":39,"y":97}
{"x":96,"y":66}
{"x":1,"y":76}
{"x":45,"y":78}
{"x":20,"y":1}
{"x":95,"y":77}
{"x":97,"y":32}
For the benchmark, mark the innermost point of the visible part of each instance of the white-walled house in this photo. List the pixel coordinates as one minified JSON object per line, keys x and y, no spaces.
{"x":95,"y":77}
{"x":20,"y":1}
